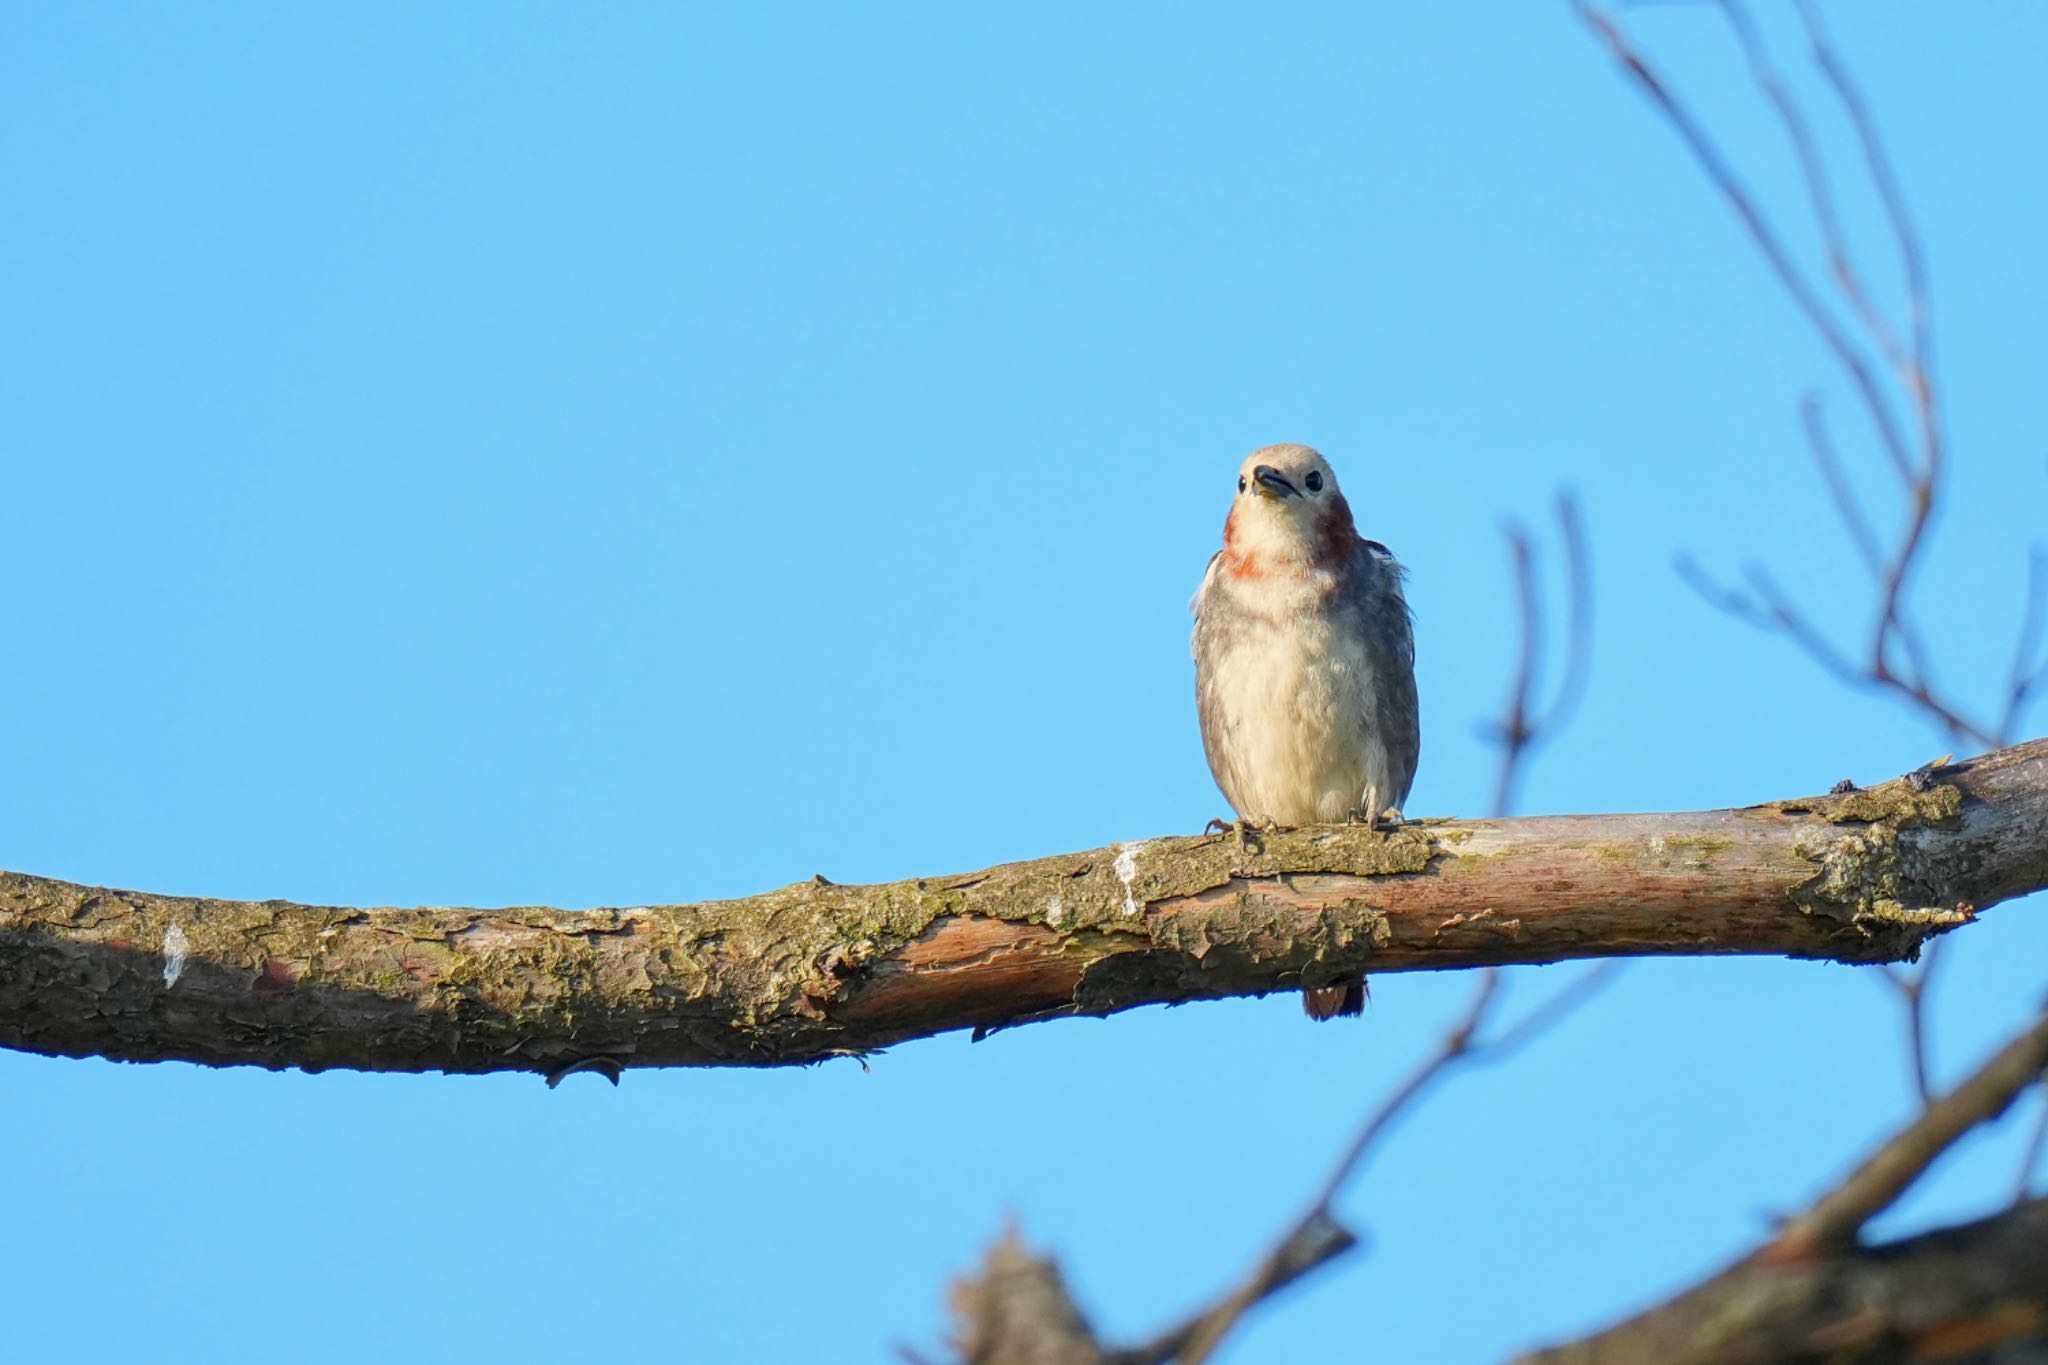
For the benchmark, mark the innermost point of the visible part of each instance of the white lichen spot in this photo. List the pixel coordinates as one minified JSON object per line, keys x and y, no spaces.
{"x":1055,"y":911}
{"x":176,"y":949}
{"x":1126,"y":867}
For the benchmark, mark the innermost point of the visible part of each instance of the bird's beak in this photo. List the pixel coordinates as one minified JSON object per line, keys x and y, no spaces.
{"x":1272,"y":482}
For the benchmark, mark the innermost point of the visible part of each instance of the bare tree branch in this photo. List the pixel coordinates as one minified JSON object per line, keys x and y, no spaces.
{"x":1814,"y":1293}
{"x":2023,"y":1179}
{"x":1895,"y":658}
{"x":1875,"y":1185}
{"x":1911,"y":257}
{"x":1813,"y":170}
{"x":1196,"y":1341}
{"x":1847,"y":506}
{"x":1912,"y":992}
{"x":1970,"y":1295}
{"x":1524,"y":723}
{"x":1310,"y":1244}
{"x":1316,"y":1236}
{"x":1766,"y":238}
{"x":2028,"y":673}
{"x":815,"y":970}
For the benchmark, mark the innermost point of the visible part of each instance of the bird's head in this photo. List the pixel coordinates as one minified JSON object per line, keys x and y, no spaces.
{"x":1288,"y":516}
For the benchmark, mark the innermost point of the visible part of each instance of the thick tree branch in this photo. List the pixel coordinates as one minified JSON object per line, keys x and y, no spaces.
{"x":817,"y":970}
{"x":1838,"y":1216}
{"x":1971,"y":1294}
{"x":1813,"y":1293}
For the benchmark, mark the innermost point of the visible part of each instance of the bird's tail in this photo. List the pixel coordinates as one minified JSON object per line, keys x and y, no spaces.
{"x":1340,"y":998}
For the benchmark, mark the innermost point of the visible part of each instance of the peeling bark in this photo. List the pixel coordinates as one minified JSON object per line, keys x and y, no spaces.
{"x":816,"y":970}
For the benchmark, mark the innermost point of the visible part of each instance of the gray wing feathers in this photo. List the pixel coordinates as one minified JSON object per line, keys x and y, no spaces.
{"x":1380,"y":612}
{"x":1207,"y":626}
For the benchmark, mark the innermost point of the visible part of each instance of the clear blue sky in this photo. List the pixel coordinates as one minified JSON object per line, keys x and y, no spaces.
{"x":460,"y":454}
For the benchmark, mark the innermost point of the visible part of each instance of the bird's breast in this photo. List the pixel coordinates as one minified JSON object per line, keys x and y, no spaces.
{"x":1285,"y":700}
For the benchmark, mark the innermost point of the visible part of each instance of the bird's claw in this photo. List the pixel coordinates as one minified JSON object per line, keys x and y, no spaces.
{"x":1219,"y":825}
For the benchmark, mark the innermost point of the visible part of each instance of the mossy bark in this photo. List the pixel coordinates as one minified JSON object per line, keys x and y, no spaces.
{"x":817,"y":970}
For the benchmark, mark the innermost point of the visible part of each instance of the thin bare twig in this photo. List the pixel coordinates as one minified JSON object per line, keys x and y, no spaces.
{"x":1894,"y":659}
{"x":1914,"y":364}
{"x":1879,"y":164}
{"x":1912,"y":991}
{"x":1196,"y":1340}
{"x":1847,"y":506}
{"x":1523,"y":723}
{"x":2023,"y":1181}
{"x":1875,"y":1185}
{"x":1765,"y":237}
{"x":1813,"y":170}
{"x":1787,"y":618}
{"x":1316,"y":1236}
{"x":1457,"y":1043}
{"x":2027,"y":675}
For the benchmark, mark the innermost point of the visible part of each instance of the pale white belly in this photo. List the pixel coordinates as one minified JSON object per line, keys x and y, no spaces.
{"x":1293,"y":743}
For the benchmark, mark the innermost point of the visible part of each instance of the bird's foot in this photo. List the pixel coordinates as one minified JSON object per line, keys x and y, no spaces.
{"x":1243,"y":829}
{"x":1370,"y":809}
{"x":1219,"y":825}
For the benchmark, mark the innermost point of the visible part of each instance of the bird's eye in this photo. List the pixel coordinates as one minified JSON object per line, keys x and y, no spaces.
{"x":1314,"y":481}
{"x":1240,"y":483}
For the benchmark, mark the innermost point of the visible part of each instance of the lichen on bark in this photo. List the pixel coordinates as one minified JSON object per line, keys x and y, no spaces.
{"x":1866,"y":864}
{"x":814,"y":970}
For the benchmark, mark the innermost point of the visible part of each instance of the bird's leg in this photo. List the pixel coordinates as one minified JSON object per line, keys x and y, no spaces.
{"x":1240,"y":827}
{"x":1246,"y":829}
{"x":1371,"y":816}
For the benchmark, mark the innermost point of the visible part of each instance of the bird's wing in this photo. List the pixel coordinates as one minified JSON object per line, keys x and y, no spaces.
{"x":1373,"y":597}
{"x":1208,"y":577}
{"x":1206,"y":644}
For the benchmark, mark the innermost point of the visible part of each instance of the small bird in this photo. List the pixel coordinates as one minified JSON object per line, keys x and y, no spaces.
{"x":1305,"y":664}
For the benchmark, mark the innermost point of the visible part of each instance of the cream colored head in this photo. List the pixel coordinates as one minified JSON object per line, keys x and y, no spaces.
{"x":1288,"y":508}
